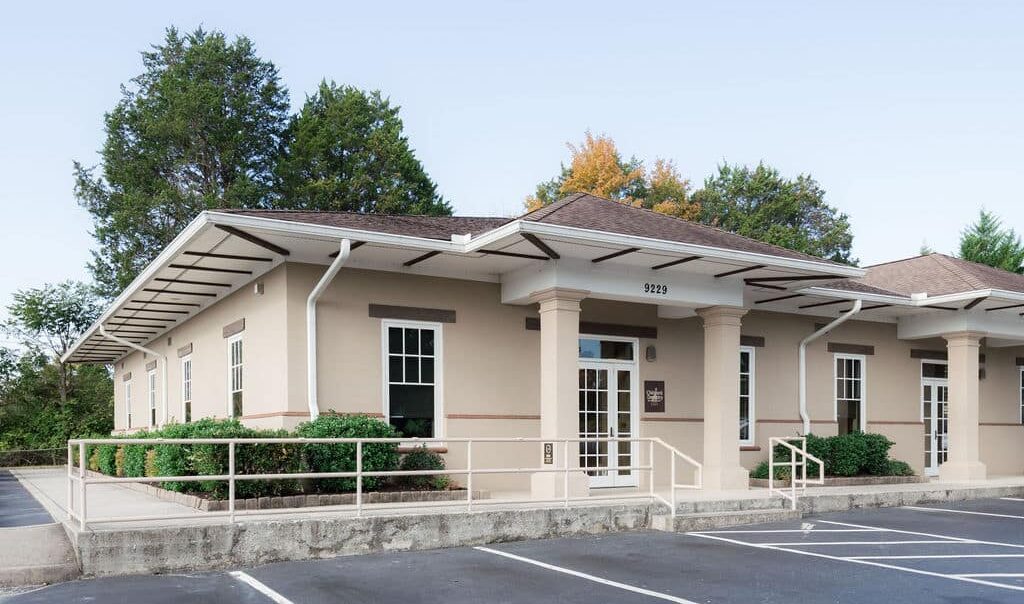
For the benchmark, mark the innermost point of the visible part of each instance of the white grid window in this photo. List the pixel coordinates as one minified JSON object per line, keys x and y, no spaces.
{"x":235,"y":377}
{"x":746,"y":395}
{"x":186,"y":389}
{"x":128,"y":405}
{"x":849,"y":392}
{"x":151,"y":378}
{"x":412,"y":377}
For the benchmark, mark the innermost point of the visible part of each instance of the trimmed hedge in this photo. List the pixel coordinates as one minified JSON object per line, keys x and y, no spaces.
{"x":152,"y":459}
{"x":422,"y":458}
{"x":853,"y":454}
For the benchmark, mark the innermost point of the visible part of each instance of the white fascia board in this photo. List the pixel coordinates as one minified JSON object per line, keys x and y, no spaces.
{"x":647,"y":243}
{"x":194,"y":228}
{"x":331,"y":233}
{"x":934,"y":325}
{"x":826,"y":292}
{"x":953,"y":298}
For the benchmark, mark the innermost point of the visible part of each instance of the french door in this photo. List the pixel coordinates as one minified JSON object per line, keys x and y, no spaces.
{"x":607,"y":409}
{"x":935,"y":401}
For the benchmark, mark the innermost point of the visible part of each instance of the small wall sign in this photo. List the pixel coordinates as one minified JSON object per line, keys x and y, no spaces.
{"x":654,"y":396}
{"x":549,"y":453}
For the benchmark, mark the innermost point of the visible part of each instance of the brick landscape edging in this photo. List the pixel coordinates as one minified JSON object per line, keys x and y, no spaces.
{"x":296,"y":501}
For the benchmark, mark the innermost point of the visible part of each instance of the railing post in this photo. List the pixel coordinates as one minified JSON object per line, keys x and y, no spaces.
{"x":672,"y":484}
{"x":650,"y":461}
{"x":565,"y":464}
{"x":792,"y":475}
{"x":81,"y":483}
{"x":231,"y":481}
{"x":359,"y":478}
{"x":71,"y":483}
{"x":469,"y":476}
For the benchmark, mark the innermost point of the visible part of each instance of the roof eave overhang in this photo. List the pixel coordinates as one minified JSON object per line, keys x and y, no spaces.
{"x":844,"y":294}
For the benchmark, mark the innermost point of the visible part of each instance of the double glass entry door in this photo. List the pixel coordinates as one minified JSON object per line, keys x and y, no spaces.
{"x":607,"y":410}
{"x":935,"y":399}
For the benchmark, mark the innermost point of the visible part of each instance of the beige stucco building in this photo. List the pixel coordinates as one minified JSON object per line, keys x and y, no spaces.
{"x":586,"y":318}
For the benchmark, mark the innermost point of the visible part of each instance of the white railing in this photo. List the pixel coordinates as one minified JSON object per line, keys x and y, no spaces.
{"x":79,"y":479}
{"x":798,"y":458}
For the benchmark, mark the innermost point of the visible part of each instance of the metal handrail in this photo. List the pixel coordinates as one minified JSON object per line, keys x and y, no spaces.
{"x":82,"y":480}
{"x":794,"y":479}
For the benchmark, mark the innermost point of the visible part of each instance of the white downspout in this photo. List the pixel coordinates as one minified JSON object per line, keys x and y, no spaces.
{"x":803,"y":360}
{"x":311,"y":357}
{"x":163,"y":362}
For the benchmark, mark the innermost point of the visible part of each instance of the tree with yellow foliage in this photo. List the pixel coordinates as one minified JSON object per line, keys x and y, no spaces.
{"x":597,"y":167}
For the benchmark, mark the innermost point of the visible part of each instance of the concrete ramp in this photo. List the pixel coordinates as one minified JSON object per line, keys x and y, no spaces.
{"x":36,"y":555}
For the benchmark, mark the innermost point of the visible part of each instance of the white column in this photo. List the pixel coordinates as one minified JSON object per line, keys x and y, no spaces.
{"x":964,"y":460}
{"x":559,"y":385}
{"x":722,"y":469}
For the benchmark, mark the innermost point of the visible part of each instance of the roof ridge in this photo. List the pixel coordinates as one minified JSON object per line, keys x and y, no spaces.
{"x":350,"y":213}
{"x":952,"y":266}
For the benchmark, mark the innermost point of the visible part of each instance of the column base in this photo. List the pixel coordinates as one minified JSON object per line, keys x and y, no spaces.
{"x":551,"y":485}
{"x":726,"y":479}
{"x":953,"y":471}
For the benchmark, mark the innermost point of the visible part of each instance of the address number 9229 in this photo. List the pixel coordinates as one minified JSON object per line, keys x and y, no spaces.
{"x":660,"y":289}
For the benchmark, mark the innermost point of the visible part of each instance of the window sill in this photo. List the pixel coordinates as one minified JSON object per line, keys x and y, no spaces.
{"x":749,"y":448}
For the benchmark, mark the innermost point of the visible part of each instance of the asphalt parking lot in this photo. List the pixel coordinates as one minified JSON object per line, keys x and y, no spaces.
{"x":962,"y":552}
{"x":17,"y":506}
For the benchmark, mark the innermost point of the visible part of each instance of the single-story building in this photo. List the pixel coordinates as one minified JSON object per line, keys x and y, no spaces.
{"x":584,"y":318}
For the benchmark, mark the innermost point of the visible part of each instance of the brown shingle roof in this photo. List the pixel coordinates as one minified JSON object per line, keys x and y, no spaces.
{"x":934,"y":274}
{"x":429,"y":227}
{"x":587,"y":211}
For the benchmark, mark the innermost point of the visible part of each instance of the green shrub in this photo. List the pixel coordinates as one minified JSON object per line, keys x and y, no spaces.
{"x":761,"y":471}
{"x":107,"y":459}
{"x":149,"y":465}
{"x":119,"y":461}
{"x":378,"y":457}
{"x":94,"y":459}
{"x":135,"y":459}
{"x":422,"y":458}
{"x":899,"y":468}
{"x":847,"y":454}
{"x":876,"y":456}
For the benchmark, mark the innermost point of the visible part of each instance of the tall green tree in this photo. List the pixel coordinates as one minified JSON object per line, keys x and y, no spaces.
{"x":346,"y":150}
{"x":44,"y":401}
{"x":761,"y":204}
{"x":199,"y":128}
{"x":988,"y":242}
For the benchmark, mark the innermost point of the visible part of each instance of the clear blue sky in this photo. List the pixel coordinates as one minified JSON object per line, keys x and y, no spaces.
{"x":908,"y":113}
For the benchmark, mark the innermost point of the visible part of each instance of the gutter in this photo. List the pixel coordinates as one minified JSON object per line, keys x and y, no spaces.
{"x":314,"y":296}
{"x":803,"y":359}
{"x":163,"y":361}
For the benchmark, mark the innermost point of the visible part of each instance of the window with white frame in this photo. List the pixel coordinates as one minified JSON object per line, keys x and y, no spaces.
{"x":151,"y":379}
{"x":128,"y":405}
{"x":849,"y":392}
{"x":186,"y":389}
{"x":235,"y":377}
{"x":412,"y":377}
{"x":746,"y":395}
{"x":1020,"y":382}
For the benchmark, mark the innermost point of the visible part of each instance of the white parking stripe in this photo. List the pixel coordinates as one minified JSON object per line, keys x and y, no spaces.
{"x":260,"y":587}
{"x":937,"y":557}
{"x":993,"y":575}
{"x":1011,"y":499}
{"x":793,"y":531}
{"x":915,"y":571}
{"x":595,"y":579}
{"x":911,"y":507}
{"x":932,"y":535}
{"x":910,"y":542}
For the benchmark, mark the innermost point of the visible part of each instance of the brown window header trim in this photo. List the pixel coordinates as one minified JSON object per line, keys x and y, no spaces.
{"x":752,"y":341}
{"x":235,"y":328}
{"x":605,"y":329}
{"x":851,"y":348}
{"x":1020,"y":361}
{"x":185,"y":350}
{"x":150,"y":366}
{"x":127,"y":377}
{"x":412,"y":313}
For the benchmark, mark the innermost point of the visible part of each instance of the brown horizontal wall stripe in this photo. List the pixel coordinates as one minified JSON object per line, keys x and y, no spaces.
{"x":605,"y":329}
{"x":490,"y":416}
{"x":1020,"y":361}
{"x":1003,"y":424}
{"x":894,"y":423}
{"x":651,"y":418}
{"x":185,"y":350}
{"x":150,"y":366}
{"x":412,"y":313}
{"x":749,"y":448}
{"x":233,"y":328}
{"x":753,"y":341}
{"x":277,"y":414}
{"x":851,"y":348}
